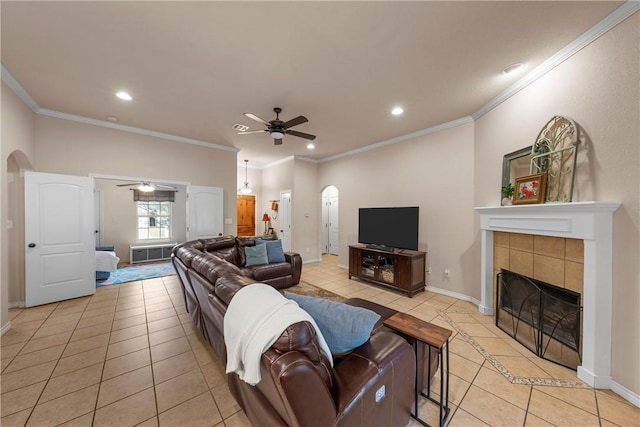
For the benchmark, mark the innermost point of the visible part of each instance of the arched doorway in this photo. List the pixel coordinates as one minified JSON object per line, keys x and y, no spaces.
{"x":330,"y":223}
{"x":17,"y":163}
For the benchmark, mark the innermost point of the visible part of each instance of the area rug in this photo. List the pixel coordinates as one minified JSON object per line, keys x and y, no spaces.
{"x":131,"y":273}
{"x":305,"y":288}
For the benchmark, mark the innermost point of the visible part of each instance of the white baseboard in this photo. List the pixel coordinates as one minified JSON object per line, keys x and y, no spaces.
{"x":625,"y":393}
{"x":5,"y":328}
{"x":452,"y":294}
{"x":310,"y":261}
{"x":16,"y":304}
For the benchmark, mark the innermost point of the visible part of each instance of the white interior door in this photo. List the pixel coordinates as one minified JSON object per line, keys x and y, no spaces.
{"x":59,"y":232}
{"x":333,"y":225}
{"x":285,"y":220}
{"x":325,"y":224}
{"x":204,"y":212}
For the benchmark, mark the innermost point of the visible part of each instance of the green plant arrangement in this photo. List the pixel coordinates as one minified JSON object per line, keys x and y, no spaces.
{"x":507,"y":194}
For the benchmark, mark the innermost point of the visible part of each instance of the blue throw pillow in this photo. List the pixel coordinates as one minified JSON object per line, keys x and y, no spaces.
{"x":275,"y":253}
{"x":256,"y":255}
{"x":344,"y":327}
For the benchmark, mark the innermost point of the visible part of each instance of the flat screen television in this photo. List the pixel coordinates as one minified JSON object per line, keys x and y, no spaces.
{"x":389,"y":227}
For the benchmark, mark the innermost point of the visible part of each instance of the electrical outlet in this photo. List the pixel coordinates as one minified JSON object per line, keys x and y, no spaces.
{"x":446,"y":272}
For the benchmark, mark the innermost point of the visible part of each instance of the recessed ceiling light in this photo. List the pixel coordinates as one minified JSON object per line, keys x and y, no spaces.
{"x":311,"y":146}
{"x":112,"y":118}
{"x":124,"y":95}
{"x":397,"y":111}
{"x":513,"y":68}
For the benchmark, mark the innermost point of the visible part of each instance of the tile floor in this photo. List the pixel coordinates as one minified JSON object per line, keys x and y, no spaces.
{"x":128,"y":355}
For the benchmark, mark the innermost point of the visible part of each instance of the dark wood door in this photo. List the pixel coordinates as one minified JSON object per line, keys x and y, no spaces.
{"x":246,"y":215}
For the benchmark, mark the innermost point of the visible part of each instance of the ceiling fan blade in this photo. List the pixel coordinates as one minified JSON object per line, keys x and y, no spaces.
{"x":170,"y":187}
{"x":128,"y":185}
{"x":277,"y":141}
{"x":295,"y":122}
{"x":247,"y":132}
{"x":301,"y":134}
{"x":256,"y":118}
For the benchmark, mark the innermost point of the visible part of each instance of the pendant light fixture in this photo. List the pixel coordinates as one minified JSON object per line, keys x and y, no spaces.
{"x":245,"y":189}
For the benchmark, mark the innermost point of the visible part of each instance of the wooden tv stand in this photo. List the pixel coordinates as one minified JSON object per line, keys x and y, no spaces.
{"x":402,"y":269}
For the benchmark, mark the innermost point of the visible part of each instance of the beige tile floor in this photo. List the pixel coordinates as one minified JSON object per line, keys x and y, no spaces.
{"x":128,"y":355}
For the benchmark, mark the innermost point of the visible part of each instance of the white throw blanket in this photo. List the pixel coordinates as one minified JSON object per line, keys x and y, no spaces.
{"x":257,"y":315}
{"x":106,"y":261}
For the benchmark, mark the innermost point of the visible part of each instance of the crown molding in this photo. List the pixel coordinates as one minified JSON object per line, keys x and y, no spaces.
{"x":427,"y":131}
{"x":132,"y":129}
{"x":17,"y":88}
{"x":305,"y":159}
{"x":614,"y":18}
{"x":8,"y":78}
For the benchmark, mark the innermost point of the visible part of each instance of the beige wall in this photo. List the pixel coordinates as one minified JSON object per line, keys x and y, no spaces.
{"x":112,"y":152}
{"x":599,"y":89}
{"x":17,"y":148}
{"x":433,"y":172}
{"x":276,"y":178}
{"x":306,"y":213}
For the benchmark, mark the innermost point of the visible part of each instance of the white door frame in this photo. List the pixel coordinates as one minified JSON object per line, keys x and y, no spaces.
{"x":285,"y":219}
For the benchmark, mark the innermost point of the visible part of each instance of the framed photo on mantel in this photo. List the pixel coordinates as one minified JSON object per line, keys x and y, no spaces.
{"x":530,"y":189}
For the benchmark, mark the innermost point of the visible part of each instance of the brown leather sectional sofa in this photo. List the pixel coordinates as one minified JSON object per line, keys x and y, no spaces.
{"x":200,"y":263}
{"x":370,"y":386}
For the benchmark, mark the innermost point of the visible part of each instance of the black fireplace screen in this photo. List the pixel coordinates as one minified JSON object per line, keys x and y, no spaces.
{"x":542,"y":317}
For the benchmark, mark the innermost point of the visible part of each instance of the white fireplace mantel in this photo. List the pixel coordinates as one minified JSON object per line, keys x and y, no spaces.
{"x":590,"y":221}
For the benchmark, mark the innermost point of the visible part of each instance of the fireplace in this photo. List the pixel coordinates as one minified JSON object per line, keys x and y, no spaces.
{"x":542,"y":317}
{"x":590,"y":222}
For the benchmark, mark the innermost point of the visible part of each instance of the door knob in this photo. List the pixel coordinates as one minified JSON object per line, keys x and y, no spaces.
{"x":32,"y":245}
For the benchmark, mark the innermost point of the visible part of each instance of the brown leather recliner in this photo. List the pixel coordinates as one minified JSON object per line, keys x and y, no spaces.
{"x":372,"y":386}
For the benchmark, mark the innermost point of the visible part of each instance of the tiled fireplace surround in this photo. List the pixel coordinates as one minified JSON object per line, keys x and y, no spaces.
{"x":587,"y":228}
{"x":557,"y":261}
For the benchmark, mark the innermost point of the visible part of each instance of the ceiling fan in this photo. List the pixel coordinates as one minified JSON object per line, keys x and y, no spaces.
{"x":278,"y":128}
{"x":147,"y":187}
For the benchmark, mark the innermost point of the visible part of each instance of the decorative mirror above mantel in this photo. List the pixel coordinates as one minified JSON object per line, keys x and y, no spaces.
{"x":516,"y":165}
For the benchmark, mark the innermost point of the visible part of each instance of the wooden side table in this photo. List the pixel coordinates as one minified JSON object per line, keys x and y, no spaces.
{"x":433,"y":336}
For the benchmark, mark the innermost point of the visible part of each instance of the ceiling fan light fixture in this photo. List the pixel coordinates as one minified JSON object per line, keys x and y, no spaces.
{"x":245,"y":189}
{"x":146,"y":187}
{"x":277,"y":134}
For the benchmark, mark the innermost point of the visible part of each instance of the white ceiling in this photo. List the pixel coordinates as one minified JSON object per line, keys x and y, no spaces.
{"x":193,"y":68}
